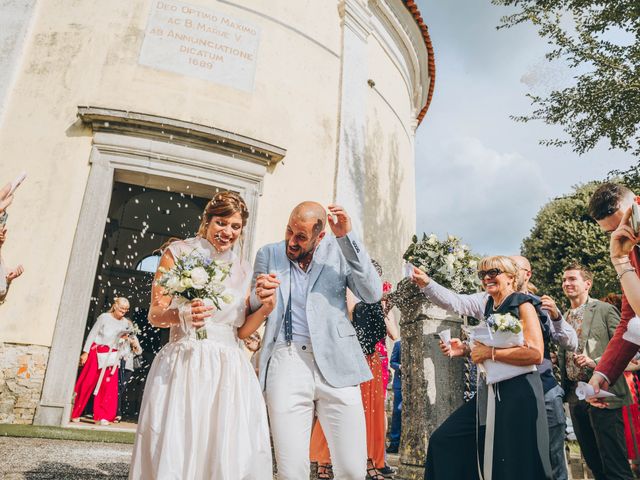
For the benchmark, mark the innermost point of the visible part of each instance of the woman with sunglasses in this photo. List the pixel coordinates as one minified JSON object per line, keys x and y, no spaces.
{"x":520,"y":446}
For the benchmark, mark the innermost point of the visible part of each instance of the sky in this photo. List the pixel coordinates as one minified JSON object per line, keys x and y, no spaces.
{"x":479,"y":174}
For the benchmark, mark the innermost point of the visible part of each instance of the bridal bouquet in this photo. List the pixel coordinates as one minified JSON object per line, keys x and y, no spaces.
{"x":195,"y":276}
{"x":448,"y":262}
{"x":500,"y":331}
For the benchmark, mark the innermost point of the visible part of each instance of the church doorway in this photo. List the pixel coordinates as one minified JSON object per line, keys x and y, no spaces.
{"x":140,"y":220}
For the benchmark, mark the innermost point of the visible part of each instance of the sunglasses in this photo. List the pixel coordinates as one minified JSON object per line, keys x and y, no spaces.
{"x":492,"y":273}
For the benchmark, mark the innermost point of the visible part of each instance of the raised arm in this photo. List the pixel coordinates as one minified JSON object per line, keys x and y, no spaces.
{"x":471,"y":305}
{"x":362,"y":278}
{"x":562,"y":333}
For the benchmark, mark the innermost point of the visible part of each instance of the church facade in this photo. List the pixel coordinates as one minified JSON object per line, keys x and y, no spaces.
{"x":128,"y":115}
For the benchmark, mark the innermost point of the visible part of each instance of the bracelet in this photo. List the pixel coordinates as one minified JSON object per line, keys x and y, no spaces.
{"x":493,"y":353}
{"x":620,"y":263}
{"x":626,"y":270}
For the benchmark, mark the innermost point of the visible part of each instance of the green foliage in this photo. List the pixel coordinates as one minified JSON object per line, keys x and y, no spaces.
{"x":563,"y":233}
{"x":600,"y":41}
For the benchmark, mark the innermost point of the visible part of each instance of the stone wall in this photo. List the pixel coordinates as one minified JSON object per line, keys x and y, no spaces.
{"x":22,"y":369}
{"x":432,"y":384}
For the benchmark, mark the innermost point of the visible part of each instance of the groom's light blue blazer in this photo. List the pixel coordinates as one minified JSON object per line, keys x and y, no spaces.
{"x":338,"y":263}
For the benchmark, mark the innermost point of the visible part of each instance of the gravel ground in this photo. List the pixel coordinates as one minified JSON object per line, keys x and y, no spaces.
{"x":37,"y":458}
{"x":43,"y":459}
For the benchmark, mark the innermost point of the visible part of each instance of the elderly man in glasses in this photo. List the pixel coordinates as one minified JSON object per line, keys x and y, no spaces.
{"x":556,"y":330}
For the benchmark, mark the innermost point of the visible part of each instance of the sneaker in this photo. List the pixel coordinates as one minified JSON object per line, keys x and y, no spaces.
{"x":392,"y":449}
{"x":117,"y":419}
{"x":76,"y":420}
{"x":387,"y":471}
{"x":104,"y":422}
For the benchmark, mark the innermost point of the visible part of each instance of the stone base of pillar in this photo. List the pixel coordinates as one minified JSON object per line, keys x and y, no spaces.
{"x":432,"y":384}
{"x":22,"y":369}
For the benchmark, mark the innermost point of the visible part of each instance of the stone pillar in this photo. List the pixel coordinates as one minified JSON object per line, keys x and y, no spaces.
{"x":432,"y":384}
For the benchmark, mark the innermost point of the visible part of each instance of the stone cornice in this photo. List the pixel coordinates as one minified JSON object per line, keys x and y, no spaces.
{"x":181,"y":133}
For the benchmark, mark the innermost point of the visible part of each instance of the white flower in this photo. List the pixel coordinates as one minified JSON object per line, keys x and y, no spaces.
{"x":173,"y":283}
{"x":227,"y":298}
{"x":199,"y":278}
{"x":450,"y":259}
{"x":460,"y":254}
{"x":185,"y":282}
{"x":215,"y":287}
{"x":451,"y":238}
{"x":433,"y":239}
{"x":473,"y":264}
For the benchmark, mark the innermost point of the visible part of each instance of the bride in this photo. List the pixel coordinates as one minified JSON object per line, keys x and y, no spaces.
{"x":203,"y":414}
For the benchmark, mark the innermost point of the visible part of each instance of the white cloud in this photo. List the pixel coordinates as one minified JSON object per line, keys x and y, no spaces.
{"x":479,"y":174}
{"x":488,"y":197}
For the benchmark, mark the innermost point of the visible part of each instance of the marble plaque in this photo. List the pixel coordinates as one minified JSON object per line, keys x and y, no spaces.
{"x":202,"y":43}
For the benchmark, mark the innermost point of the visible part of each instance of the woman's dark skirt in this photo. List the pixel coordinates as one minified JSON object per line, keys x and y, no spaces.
{"x":521,"y":444}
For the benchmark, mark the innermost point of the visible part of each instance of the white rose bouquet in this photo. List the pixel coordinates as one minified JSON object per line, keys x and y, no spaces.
{"x":448,"y":262}
{"x":500,"y":331}
{"x":195,"y":276}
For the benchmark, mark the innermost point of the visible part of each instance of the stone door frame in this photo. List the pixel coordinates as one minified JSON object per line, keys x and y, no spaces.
{"x":145,"y":150}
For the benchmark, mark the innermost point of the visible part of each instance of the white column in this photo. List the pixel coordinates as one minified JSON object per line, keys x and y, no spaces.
{"x":350,"y":174}
{"x":55,"y":404}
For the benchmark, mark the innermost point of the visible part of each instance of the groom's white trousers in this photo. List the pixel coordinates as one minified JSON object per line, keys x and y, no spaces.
{"x":294,"y":388}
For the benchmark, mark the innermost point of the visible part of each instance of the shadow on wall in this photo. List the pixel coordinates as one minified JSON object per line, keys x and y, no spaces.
{"x":384,"y":226}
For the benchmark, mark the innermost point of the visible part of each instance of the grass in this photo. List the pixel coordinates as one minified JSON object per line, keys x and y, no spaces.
{"x":62,"y":433}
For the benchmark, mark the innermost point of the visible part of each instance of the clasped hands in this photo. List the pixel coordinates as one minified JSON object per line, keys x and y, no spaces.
{"x":266,"y":286}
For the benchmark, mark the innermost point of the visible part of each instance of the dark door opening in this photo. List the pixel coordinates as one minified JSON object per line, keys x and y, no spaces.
{"x":140,"y":221}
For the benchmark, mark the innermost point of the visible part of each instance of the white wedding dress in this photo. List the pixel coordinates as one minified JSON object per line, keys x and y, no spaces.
{"x":203,"y":415}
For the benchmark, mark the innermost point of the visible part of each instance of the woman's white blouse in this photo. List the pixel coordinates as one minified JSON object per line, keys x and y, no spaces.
{"x":106,"y":331}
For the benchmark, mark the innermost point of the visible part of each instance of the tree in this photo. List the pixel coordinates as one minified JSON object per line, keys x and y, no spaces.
{"x":600,"y":41}
{"x":564,"y":232}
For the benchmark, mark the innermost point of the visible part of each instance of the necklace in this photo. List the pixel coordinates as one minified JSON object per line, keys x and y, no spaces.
{"x":498,"y":305}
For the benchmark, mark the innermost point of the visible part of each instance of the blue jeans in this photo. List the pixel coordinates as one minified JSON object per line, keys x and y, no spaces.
{"x":557,"y":424}
{"x":396,"y":419}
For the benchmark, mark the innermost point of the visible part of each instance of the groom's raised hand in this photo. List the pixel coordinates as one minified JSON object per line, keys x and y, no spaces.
{"x":339,"y":221}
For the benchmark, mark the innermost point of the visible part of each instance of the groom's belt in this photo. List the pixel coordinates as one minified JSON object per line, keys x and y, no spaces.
{"x":301,"y":346}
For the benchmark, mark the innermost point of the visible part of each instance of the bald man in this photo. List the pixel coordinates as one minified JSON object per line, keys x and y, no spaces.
{"x":311,"y":360}
{"x":555,"y":330}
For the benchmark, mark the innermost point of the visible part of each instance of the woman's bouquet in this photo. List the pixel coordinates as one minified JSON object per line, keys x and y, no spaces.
{"x":500,"y":331}
{"x":195,"y":276}
{"x":448,"y":262}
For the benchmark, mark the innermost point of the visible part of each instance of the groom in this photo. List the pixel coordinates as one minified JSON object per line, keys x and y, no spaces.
{"x":311,"y":358}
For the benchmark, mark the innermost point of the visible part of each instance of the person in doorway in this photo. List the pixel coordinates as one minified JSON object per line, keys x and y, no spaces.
{"x":99,"y":361}
{"x":129,"y":348}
